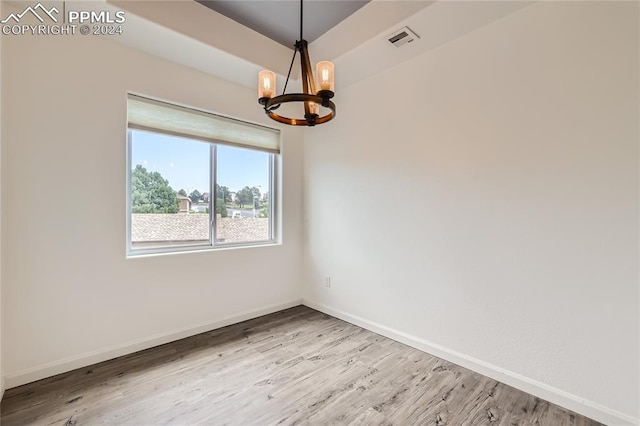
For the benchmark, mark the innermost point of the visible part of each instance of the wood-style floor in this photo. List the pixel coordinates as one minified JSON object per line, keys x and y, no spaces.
{"x":297,"y":366}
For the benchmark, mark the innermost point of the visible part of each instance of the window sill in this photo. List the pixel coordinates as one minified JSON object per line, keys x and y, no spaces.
{"x":136,"y":254}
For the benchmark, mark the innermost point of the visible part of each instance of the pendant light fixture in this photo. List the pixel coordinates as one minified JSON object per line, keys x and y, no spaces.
{"x":314,"y":93}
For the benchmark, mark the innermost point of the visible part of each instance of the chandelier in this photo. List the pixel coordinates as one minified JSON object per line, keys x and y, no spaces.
{"x":314,"y":93}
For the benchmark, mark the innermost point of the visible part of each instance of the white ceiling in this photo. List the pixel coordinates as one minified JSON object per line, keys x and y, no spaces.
{"x":189,"y":33}
{"x":280,"y":20}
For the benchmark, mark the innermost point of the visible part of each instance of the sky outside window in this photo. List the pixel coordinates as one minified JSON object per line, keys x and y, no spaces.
{"x":185,"y":162}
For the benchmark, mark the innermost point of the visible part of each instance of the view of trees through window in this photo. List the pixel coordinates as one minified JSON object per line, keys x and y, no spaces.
{"x":171,"y":181}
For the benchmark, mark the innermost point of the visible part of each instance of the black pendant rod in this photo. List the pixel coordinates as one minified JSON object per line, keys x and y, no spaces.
{"x":301,"y":18}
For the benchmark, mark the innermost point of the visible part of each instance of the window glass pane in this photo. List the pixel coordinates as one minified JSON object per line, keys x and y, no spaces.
{"x":170,"y":181}
{"x":243,"y":205}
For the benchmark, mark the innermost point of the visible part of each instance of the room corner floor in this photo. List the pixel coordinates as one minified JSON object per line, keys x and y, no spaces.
{"x":297,"y":366}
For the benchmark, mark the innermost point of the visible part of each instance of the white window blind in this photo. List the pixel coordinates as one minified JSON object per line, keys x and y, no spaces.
{"x":152,"y":115}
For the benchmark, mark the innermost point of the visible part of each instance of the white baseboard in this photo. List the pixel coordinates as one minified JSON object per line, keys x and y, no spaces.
{"x":549,"y":393}
{"x":84,"y":360}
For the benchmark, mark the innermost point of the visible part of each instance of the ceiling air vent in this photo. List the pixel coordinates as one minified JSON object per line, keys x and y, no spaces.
{"x":402,"y":37}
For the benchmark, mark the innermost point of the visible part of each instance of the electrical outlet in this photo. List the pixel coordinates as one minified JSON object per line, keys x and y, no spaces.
{"x":327,"y":281}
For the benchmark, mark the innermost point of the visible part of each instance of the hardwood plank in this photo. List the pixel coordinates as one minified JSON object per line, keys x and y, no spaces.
{"x":297,"y":366}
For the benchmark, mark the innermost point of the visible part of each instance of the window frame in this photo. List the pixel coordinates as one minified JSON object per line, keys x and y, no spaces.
{"x":213,"y":244}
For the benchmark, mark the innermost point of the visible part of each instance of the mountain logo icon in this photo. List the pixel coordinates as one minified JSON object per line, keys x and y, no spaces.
{"x":16,"y":17}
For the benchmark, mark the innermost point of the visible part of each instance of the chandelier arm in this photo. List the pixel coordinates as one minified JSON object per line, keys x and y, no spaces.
{"x":305,"y":75}
{"x":295,"y":50}
{"x":307,"y":65}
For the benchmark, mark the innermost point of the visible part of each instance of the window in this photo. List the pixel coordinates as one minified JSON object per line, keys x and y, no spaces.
{"x":197,"y":180}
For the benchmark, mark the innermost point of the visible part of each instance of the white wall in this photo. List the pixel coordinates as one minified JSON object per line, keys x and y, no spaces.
{"x":70,"y":294}
{"x":481,"y":201}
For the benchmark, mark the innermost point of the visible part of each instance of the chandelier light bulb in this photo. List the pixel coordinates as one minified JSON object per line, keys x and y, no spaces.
{"x":266,"y":84}
{"x":325,"y":75}
{"x":314,"y":108}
